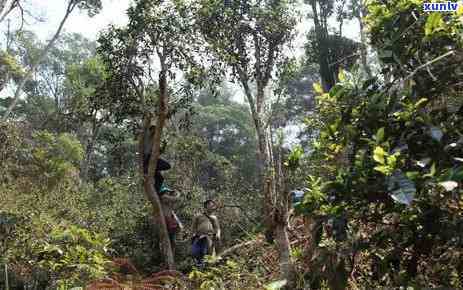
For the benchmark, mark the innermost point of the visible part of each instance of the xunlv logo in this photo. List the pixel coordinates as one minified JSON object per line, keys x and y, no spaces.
{"x":449,"y":6}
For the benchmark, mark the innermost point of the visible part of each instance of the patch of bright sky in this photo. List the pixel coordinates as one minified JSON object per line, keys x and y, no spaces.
{"x":114,"y":12}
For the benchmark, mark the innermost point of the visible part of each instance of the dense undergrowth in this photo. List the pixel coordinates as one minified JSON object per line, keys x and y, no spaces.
{"x":383,"y":171}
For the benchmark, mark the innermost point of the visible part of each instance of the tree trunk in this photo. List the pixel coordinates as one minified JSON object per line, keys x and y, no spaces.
{"x":265,"y":172}
{"x":262,"y":151}
{"x":284,"y":250}
{"x":312,"y":224}
{"x":281,"y":222}
{"x":363,"y":46}
{"x":275,"y":221}
{"x":35,"y":65}
{"x":150,"y":193}
{"x":326,"y":74}
{"x":89,"y":152}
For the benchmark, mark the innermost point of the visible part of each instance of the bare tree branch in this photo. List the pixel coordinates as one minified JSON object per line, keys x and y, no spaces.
{"x":35,"y":65}
{"x":12,"y":6}
{"x":429,"y":63}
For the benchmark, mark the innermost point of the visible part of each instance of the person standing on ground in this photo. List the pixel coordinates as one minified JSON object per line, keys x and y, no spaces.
{"x":207,"y":233}
{"x":168,"y":200}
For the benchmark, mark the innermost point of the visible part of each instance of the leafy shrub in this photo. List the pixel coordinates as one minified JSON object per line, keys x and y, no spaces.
{"x":73,"y":256}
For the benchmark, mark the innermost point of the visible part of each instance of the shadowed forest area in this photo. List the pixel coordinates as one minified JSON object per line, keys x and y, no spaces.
{"x":198,"y":146}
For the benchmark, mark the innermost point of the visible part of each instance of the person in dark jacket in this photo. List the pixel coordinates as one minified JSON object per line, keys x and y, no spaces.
{"x":162,"y":165}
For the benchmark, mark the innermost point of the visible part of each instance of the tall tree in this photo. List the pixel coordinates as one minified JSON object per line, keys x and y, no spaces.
{"x":249,"y":37}
{"x":358,"y":11}
{"x":92,"y":6}
{"x":158,"y":32}
{"x":321,"y":11}
{"x":9,"y":69}
{"x":47,"y":99}
{"x":338,"y":51}
{"x":227,"y":127}
{"x":70,"y":49}
{"x":89,"y":103}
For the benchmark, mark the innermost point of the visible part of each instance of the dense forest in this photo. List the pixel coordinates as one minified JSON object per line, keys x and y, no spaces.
{"x":194,"y":148}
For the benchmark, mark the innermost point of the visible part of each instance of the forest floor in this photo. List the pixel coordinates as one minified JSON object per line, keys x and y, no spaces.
{"x":249,"y":264}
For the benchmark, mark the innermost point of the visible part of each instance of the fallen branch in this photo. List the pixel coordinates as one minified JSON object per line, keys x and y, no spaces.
{"x":237,"y":247}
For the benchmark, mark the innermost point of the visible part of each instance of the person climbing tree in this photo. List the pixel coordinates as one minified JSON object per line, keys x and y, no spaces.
{"x":162,"y":164}
{"x":168,"y":200}
{"x":207,"y":233}
{"x":167,"y":197}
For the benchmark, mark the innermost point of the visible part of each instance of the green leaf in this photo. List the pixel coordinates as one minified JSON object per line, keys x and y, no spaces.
{"x":413,"y":175}
{"x":294,"y":157}
{"x":378,"y":155}
{"x":391,"y":160}
{"x":383,"y":169}
{"x":380,"y":135}
{"x":433,"y":23}
{"x":318,"y":88}
{"x":432,"y":172}
{"x":459,"y":11}
{"x":420,"y":102}
{"x":341,"y":75}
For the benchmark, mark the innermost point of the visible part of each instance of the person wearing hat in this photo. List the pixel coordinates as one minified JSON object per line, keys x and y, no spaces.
{"x":162,"y":164}
{"x":168,"y":199}
{"x":207,"y":233}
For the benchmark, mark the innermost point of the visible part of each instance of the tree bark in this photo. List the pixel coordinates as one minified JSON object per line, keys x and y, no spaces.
{"x":312,"y":224}
{"x":273,"y":214}
{"x":284,"y":250}
{"x":363,"y":46}
{"x":281,"y":226}
{"x":150,"y":193}
{"x":89,"y":151}
{"x":264,"y":164}
{"x":326,"y":74}
{"x":35,"y":65}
